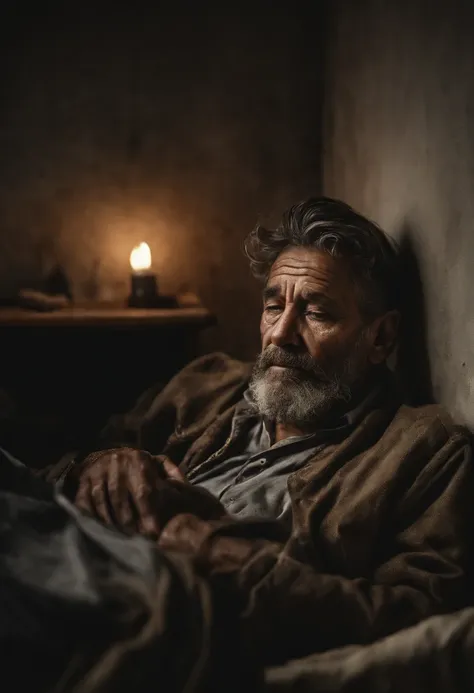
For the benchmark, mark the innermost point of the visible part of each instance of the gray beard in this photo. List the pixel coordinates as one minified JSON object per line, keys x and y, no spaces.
{"x":301,"y":397}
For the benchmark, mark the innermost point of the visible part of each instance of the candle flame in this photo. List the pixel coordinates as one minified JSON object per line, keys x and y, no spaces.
{"x":140,"y":257}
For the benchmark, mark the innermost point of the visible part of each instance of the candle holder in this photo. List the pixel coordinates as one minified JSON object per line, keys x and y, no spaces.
{"x":143,"y":290}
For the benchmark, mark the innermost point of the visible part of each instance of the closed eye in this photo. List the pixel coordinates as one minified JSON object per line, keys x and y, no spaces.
{"x":317,"y":315}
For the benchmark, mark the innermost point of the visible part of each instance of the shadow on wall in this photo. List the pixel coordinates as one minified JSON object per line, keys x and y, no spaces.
{"x":413,"y":355}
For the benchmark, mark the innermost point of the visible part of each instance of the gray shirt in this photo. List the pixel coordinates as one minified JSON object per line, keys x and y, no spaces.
{"x":251,"y":480}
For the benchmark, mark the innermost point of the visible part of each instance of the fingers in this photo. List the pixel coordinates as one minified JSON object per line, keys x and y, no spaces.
{"x":120,"y":501}
{"x":120,"y":487}
{"x":148,"y":522}
{"x":171,"y":470}
{"x":83,"y":498}
{"x":103,"y":492}
{"x":142,"y":486}
{"x":91,"y":498}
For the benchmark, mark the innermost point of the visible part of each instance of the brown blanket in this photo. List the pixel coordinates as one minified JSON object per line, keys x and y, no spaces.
{"x":382,"y":516}
{"x":436,"y":656}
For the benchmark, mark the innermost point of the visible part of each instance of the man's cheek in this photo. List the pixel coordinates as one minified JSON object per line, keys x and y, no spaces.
{"x":265,"y":333}
{"x":322,"y":351}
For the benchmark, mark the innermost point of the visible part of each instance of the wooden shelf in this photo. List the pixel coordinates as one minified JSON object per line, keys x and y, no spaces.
{"x":106,"y":315}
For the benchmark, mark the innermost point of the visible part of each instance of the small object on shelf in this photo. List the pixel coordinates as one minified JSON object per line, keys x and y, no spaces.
{"x":53,"y":294}
{"x":187,"y":299}
{"x":57,"y":283}
{"x":39,"y":301}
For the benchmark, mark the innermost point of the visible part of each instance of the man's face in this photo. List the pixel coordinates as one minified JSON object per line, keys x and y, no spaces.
{"x":315,"y":344}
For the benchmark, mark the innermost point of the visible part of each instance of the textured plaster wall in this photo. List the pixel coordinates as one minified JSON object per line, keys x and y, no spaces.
{"x":179,"y":124}
{"x":399,"y":145}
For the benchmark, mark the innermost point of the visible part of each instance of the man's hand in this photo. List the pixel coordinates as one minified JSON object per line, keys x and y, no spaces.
{"x":117,"y":487}
{"x":170,"y":469}
{"x":138,"y":492}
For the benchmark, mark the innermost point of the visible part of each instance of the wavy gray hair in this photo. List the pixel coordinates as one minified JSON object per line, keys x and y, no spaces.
{"x":335,"y":228}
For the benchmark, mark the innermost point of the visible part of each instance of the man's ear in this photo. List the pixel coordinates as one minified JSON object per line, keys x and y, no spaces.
{"x":384,"y":333}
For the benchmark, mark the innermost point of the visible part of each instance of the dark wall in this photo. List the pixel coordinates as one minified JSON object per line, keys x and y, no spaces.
{"x":175,"y":123}
{"x":399,"y":145}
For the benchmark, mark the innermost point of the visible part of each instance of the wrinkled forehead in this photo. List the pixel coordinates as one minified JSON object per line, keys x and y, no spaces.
{"x":305,"y":270}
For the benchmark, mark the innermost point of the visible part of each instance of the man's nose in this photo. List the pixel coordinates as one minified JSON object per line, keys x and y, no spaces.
{"x":286,"y":330}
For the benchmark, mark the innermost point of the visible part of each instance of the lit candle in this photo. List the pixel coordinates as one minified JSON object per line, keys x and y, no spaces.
{"x":140,"y":258}
{"x":144,"y":293}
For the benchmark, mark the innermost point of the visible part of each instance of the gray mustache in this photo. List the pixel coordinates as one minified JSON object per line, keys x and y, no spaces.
{"x":273,"y":356}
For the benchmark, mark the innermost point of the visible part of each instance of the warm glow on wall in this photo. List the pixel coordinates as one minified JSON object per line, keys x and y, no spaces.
{"x":140,"y":258}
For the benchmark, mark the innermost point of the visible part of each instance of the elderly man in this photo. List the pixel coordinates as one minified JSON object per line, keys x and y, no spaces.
{"x":303,"y":487}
